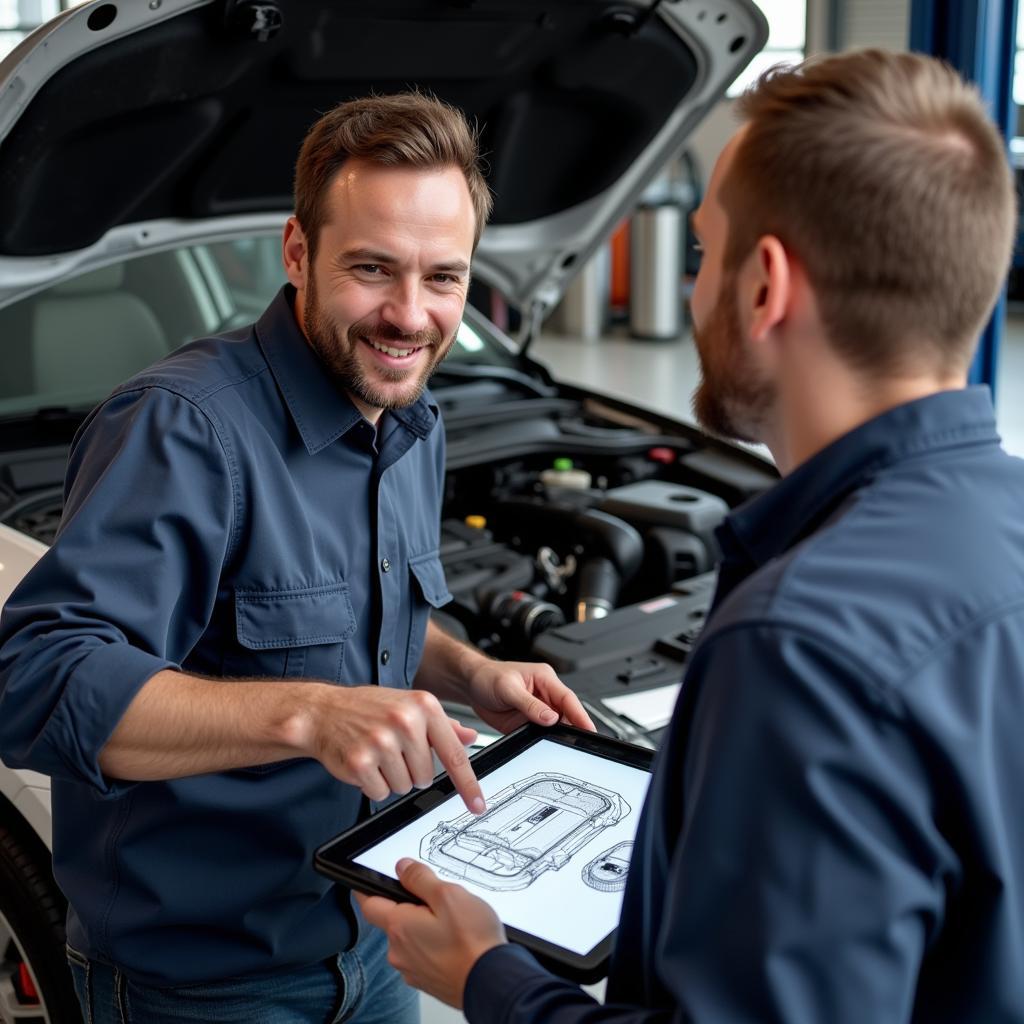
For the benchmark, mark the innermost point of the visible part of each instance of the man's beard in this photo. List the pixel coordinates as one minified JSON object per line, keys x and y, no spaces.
{"x":340,"y":357}
{"x":732,"y":399}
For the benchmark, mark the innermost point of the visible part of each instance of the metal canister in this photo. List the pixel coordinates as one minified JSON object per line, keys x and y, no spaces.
{"x":655,"y":306}
{"x":584,"y":306}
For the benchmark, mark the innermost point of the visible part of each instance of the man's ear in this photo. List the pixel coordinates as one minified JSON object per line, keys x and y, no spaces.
{"x":770,"y":288}
{"x":295,"y":254}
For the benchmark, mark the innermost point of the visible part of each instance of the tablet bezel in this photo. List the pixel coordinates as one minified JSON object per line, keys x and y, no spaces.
{"x":335,"y":858}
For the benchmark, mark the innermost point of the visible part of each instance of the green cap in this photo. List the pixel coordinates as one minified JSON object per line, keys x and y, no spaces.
{"x":563,"y":464}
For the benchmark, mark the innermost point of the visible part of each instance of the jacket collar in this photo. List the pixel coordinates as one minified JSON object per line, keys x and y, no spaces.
{"x":797,"y":505}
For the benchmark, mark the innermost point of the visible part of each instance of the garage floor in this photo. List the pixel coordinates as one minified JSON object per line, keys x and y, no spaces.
{"x":662,"y":375}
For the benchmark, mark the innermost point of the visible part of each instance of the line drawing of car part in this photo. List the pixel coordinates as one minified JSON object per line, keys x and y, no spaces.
{"x":532,"y":826}
{"x":608,"y":871}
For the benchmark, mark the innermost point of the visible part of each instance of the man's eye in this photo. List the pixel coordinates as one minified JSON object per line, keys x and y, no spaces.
{"x":369,"y":268}
{"x":445,"y":278}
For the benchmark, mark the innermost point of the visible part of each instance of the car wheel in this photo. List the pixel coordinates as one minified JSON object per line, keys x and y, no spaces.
{"x":35,"y":983}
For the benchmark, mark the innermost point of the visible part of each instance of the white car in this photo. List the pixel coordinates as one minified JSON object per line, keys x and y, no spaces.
{"x":146,"y":154}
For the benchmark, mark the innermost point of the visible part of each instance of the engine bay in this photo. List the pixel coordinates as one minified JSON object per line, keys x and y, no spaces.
{"x":574,"y":530}
{"x":593,"y":547}
{"x":608,"y":585}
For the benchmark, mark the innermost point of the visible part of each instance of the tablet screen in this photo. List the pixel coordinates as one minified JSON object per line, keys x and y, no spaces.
{"x":550,"y":854}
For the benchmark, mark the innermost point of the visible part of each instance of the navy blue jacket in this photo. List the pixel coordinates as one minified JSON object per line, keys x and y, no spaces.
{"x":835,"y":827}
{"x":229,"y":512}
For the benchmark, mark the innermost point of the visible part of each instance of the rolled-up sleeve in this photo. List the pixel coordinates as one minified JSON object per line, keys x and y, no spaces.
{"x":805,"y":876}
{"x":125,"y":590}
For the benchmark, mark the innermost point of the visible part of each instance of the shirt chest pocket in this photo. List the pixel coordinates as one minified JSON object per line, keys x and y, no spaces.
{"x":429,"y":590}
{"x":290,"y":634}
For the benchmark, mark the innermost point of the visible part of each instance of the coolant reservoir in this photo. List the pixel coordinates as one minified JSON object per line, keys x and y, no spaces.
{"x":562,"y":474}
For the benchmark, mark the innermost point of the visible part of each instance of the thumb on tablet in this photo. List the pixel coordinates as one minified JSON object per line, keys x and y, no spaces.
{"x":418,"y":879}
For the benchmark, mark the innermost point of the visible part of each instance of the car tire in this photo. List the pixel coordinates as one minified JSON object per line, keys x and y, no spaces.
{"x":32,"y":913}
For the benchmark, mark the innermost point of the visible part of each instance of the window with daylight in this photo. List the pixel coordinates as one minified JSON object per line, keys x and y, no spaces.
{"x":787,"y":39}
{"x":19,"y":17}
{"x":1018,"y":70}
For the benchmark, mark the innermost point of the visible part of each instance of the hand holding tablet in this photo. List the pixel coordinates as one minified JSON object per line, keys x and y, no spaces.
{"x":550,"y":855}
{"x":434,"y":946}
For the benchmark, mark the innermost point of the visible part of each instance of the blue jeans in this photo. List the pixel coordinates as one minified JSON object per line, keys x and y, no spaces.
{"x":357,"y":987}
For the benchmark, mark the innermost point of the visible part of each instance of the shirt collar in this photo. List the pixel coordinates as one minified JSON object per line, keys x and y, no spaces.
{"x":798,"y":504}
{"x":321,"y":409}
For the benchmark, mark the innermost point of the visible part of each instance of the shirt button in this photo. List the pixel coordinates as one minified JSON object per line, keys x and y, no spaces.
{"x":385,"y":656}
{"x":385,"y":565}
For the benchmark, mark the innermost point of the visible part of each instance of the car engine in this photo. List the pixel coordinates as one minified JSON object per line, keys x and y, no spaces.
{"x":590,"y":545}
{"x":572,"y":531}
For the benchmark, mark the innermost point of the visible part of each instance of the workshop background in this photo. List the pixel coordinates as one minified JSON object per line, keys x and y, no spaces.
{"x":635,"y":343}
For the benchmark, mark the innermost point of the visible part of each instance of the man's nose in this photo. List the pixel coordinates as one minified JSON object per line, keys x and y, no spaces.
{"x":405,"y":310}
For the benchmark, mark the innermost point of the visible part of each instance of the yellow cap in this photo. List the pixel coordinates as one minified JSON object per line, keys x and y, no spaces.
{"x":476,"y":522}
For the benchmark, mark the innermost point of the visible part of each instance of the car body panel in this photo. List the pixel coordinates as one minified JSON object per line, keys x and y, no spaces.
{"x":18,"y":554}
{"x":28,"y":791}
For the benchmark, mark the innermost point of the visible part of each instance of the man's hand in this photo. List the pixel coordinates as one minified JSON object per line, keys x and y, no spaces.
{"x":373,"y":737}
{"x":380,"y":740}
{"x":506,"y":694}
{"x":435,"y":946}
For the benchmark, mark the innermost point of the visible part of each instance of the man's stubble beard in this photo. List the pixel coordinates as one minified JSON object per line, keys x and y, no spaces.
{"x":339,"y":355}
{"x":732,"y":400}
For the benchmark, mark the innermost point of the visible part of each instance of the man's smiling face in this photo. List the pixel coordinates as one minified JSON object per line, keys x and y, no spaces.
{"x":382,"y":301}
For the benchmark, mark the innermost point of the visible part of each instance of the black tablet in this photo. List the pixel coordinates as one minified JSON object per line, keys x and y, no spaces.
{"x":550,"y":854}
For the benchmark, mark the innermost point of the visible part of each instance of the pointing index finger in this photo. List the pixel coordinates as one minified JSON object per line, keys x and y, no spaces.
{"x":452,"y":754}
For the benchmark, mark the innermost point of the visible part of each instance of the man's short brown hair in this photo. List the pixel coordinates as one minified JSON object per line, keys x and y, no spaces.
{"x":407,"y":129}
{"x":884,"y":176}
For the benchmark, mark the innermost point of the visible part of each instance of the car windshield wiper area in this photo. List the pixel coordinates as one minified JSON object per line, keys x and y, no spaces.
{"x":48,"y":425}
{"x":452,"y":374}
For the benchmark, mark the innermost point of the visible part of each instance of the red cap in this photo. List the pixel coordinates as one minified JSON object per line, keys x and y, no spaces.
{"x":666,"y":456}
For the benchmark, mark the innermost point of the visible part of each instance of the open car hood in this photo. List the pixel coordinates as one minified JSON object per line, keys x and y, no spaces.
{"x":139,"y":124}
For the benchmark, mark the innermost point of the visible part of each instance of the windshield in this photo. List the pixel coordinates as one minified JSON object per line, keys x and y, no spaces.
{"x":69,"y":345}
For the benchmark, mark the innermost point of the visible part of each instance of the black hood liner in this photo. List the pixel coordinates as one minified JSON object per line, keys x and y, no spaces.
{"x":187,"y":120}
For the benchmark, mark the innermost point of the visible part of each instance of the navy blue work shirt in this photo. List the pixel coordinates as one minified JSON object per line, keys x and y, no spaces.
{"x":230,"y":513}
{"x":834,"y":830}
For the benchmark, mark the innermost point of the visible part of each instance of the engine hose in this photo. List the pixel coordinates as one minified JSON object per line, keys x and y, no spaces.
{"x":598,"y":533}
{"x":597,"y":589}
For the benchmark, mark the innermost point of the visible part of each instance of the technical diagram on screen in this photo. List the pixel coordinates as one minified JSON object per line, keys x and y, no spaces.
{"x":607,"y":872}
{"x":550,"y":853}
{"x":530,"y":827}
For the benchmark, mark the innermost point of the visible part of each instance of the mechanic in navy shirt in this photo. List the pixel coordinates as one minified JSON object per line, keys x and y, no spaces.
{"x":834,"y":830}
{"x":263,"y":508}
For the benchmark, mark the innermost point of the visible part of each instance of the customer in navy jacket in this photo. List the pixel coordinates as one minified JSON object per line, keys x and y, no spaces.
{"x":833,"y":832}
